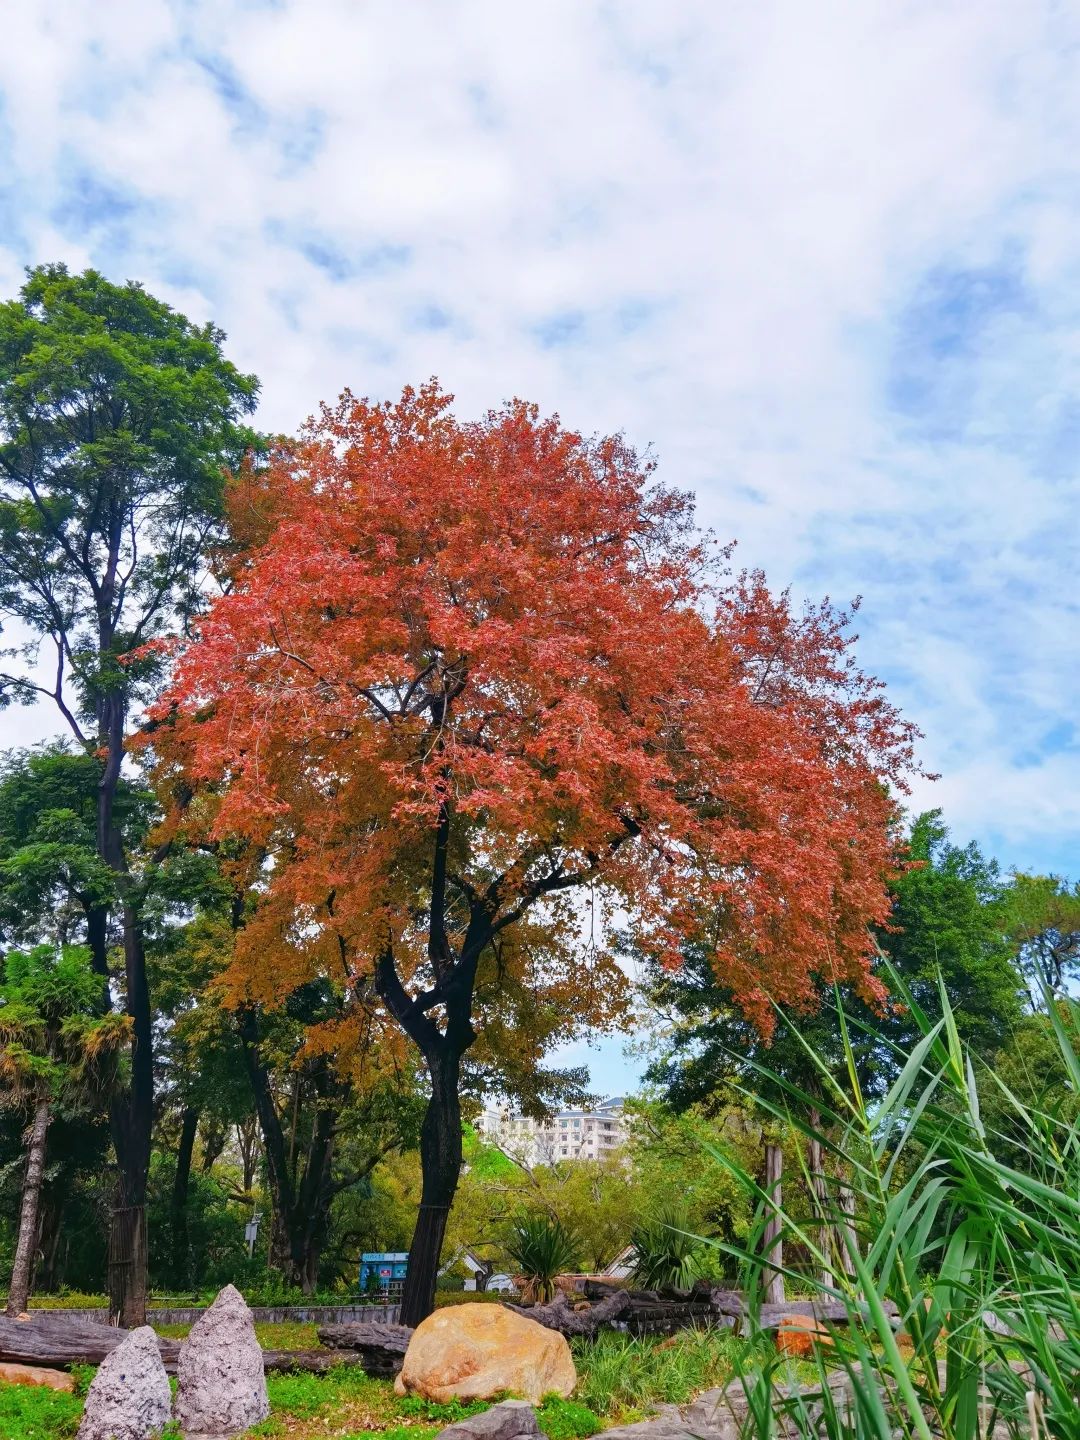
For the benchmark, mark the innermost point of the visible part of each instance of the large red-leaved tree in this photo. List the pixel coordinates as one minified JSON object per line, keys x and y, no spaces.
{"x":469,"y":674}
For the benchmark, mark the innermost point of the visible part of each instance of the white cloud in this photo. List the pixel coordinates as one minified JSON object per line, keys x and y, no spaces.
{"x":777,"y":240}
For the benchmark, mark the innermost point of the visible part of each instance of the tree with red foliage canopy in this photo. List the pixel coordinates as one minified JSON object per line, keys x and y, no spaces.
{"x":469,"y":673}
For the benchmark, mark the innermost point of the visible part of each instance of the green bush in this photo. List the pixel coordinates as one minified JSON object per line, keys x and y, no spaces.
{"x":666,"y":1254}
{"x":541,"y":1247}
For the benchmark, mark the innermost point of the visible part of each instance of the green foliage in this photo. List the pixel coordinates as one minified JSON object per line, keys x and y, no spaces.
{"x":541,"y":1247}
{"x":117,"y":416}
{"x":50,"y":872}
{"x":618,"y":1373}
{"x":30,"y":1412}
{"x":950,"y":917}
{"x":948,"y":920}
{"x":55,"y":1046}
{"x":666,"y":1254}
{"x":215,"y":1228}
{"x":981,"y":1258}
{"x":566,"y":1419}
{"x":1042,"y":917}
{"x":670,"y":1154}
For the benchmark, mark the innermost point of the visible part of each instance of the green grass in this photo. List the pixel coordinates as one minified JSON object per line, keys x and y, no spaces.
{"x":28,"y":1412}
{"x":287,"y":1335}
{"x":619,"y":1376}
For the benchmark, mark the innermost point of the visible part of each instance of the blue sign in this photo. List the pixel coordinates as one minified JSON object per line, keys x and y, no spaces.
{"x":383,"y":1270}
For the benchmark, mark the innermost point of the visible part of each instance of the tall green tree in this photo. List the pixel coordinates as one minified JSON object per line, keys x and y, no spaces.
{"x":1042,"y":916}
{"x":118,"y":418}
{"x":55,"y":1049}
{"x":948,"y":919}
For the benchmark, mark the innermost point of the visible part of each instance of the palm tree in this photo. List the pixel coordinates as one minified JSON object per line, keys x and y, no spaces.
{"x":55,"y":1048}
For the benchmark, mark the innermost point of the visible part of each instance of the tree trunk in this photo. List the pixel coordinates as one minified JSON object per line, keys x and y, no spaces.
{"x":180,"y":1268}
{"x":300,"y":1211}
{"x":52,"y":1220}
{"x":131,"y":1115}
{"x":820,"y":1198}
{"x":773,"y":1237}
{"x":849,"y":1240}
{"x":19,"y":1289}
{"x":247,"y":1138}
{"x":440,"y":1160}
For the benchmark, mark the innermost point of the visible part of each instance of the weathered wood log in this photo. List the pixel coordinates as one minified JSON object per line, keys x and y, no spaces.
{"x":62,"y":1343}
{"x":832,"y":1312}
{"x":379,"y":1349}
{"x":601,"y":1289}
{"x":723,"y":1302}
{"x":559,"y":1315}
{"x":315,"y":1361}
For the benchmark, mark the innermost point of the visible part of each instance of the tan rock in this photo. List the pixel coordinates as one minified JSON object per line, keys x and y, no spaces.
{"x":797,"y":1335}
{"x":474,"y":1352}
{"x":34,"y":1375}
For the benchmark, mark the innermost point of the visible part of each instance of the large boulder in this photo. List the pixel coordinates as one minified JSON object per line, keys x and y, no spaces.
{"x":129,"y":1397}
{"x":220,"y":1385}
{"x":474,"y":1352}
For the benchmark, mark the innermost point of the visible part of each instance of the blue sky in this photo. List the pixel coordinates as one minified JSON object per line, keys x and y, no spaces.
{"x":824,"y":259}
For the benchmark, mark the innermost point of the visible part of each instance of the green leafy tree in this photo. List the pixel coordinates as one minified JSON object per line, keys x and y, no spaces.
{"x":118,"y":417}
{"x":949,"y":919}
{"x":1042,"y":918}
{"x":55,"y":1048}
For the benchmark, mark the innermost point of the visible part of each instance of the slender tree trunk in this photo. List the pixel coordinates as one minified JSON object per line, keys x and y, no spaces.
{"x":300,"y":1210}
{"x":180,"y":1267}
{"x":247,"y":1137}
{"x":19,"y":1289}
{"x":440,"y":1159}
{"x":773,"y":1238}
{"x":52,"y":1219}
{"x":131,"y":1115}
{"x":849,"y":1241}
{"x":132,"y":1123}
{"x":214,"y":1138}
{"x":820,"y":1197}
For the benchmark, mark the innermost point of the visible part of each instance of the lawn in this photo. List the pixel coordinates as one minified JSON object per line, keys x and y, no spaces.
{"x":619,"y":1378}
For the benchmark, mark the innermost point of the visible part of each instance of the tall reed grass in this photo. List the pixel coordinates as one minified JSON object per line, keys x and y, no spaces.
{"x":960,"y":1275}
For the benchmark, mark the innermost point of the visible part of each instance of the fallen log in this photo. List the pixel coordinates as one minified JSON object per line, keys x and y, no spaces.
{"x":60,"y":1344}
{"x":317,"y":1362}
{"x":379,"y":1349}
{"x":559,"y":1315}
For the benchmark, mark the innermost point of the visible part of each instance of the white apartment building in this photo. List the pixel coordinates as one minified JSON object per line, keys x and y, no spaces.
{"x":569,"y":1135}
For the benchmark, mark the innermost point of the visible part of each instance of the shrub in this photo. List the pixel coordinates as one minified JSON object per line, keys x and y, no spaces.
{"x":541,"y":1247}
{"x":666,"y":1255}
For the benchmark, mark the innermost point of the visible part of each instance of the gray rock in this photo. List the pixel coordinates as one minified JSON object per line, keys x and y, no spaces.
{"x":508,"y":1420}
{"x":129,"y":1397}
{"x":221,"y":1388}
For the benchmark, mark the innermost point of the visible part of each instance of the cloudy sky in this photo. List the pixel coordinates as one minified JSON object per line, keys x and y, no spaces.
{"x":823,"y":258}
